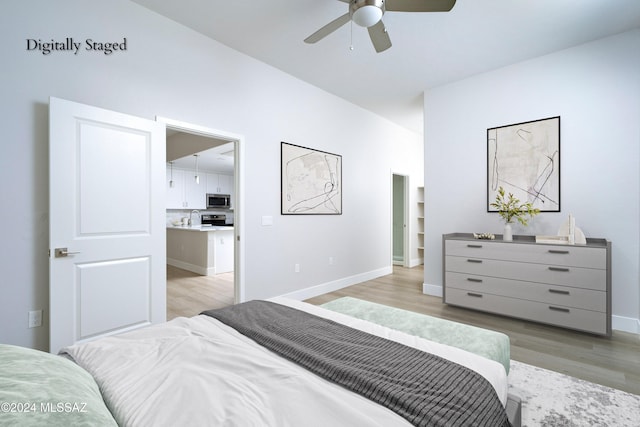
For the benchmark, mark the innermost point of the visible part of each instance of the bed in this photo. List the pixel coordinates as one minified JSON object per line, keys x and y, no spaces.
{"x":203,"y":371}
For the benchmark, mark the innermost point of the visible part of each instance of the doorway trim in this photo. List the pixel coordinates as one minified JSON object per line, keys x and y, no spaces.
{"x":406,"y":259}
{"x":238,"y":176}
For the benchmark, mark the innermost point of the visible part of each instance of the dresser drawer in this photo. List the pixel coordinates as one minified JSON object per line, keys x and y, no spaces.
{"x":578,"y":277}
{"x":540,"y":292}
{"x":530,"y":252}
{"x":574,"y":318}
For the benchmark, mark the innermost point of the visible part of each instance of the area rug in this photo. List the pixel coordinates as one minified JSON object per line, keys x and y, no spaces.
{"x":551,"y":399}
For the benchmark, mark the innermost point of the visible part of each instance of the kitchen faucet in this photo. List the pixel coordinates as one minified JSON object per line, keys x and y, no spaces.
{"x":191,"y":215}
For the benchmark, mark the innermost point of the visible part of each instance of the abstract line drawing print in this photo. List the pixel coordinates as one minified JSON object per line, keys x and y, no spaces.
{"x":311,"y":181}
{"x":524,"y":159}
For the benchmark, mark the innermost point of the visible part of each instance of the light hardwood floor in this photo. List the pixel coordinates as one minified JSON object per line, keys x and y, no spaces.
{"x":614,"y":362}
{"x":188,"y":294}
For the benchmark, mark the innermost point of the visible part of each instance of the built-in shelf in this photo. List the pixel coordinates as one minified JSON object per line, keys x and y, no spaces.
{"x":420,"y":218}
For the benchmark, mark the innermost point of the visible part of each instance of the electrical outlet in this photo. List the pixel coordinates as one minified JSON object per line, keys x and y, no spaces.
{"x":330,"y":260}
{"x":296,"y":268}
{"x":35,"y":318}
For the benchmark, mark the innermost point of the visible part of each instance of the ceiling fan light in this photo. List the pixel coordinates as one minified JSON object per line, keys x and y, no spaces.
{"x":367,"y":15}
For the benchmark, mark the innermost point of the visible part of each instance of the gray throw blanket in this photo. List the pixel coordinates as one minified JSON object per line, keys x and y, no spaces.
{"x":425,"y":389}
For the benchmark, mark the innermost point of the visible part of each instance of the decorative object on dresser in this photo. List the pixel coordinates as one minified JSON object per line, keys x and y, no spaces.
{"x":510,"y":208}
{"x":568,"y":234}
{"x":524,"y":158}
{"x":568,"y":287}
{"x":484,"y":236}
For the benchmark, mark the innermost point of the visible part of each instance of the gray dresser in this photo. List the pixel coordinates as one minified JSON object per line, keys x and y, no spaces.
{"x":562,"y":285}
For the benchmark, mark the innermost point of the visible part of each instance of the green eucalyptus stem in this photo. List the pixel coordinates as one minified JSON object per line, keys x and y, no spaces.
{"x":510,"y":208}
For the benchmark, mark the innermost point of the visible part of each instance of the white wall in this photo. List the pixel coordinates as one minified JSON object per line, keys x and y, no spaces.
{"x":173,"y":72}
{"x":595,"y":88}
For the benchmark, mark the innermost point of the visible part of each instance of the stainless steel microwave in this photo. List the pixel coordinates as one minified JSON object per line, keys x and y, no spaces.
{"x":218,"y":201}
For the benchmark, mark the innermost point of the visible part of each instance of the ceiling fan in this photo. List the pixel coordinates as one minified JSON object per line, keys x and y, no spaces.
{"x":368,"y":13}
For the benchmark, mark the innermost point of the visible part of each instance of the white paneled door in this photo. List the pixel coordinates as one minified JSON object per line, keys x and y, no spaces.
{"x":107,"y":223}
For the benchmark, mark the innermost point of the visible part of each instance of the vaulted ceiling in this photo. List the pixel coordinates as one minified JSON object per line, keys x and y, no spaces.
{"x":429,"y":49}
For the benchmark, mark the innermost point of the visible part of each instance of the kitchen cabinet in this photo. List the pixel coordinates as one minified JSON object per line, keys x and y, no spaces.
{"x":561,"y":285}
{"x":175,"y":192}
{"x":221,"y":250}
{"x":218,"y":183}
{"x":185,"y":193}
{"x":202,"y":250}
{"x":195,"y":194}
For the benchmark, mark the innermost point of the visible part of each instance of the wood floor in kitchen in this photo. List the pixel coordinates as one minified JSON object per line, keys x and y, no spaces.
{"x":188,"y":294}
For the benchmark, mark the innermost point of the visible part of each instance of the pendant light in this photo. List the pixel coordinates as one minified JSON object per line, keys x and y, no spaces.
{"x":171,"y":178}
{"x":197,"y":177}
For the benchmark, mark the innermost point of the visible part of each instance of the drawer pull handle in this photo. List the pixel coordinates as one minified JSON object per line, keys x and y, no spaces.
{"x":471,"y":294}
{"x":556,"y":291}
{"x":474,"y":246}
{"x":562,"y":309}
{"x":477,"y":261}
{"x":471,"y":279}
{"x":555,"y":251}
{"x":558,"y":269}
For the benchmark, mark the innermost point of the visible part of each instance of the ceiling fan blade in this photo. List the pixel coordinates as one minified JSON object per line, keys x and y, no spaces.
{"x":419,"y":5}
{"x":379,"y":37}
{"x":328,"y":29}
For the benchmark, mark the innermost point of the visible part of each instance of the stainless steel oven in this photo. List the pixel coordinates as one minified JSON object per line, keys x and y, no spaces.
{"x":214,"y":219}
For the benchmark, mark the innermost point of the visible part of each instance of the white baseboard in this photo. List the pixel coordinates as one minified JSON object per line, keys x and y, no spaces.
{"x":415,"y":262}
{"x":625,"y":324}
{"x":434,"y":290}
{"x":335,"y":285}
{"x":198,"y":269}
{"x":190,"y":267}
{"x":412,"y":262}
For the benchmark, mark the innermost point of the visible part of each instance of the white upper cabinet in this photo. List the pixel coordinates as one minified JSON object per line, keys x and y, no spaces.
{"x":219,"y":183}
{"x":185,"y":192}
{"x":195,"y":194}
{"x":175,"y":188}
{"x":226,"y":184}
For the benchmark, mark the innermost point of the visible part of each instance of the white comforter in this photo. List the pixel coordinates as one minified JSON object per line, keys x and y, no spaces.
{"x":198,"y":372}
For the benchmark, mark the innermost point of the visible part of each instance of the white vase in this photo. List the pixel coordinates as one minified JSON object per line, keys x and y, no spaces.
{"x":507,"y":236}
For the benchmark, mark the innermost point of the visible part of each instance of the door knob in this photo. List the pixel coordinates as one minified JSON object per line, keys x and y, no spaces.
{"x":63,"y":252}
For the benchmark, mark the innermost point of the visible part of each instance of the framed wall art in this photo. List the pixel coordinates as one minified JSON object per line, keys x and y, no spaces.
{"x":311,"y":181}
{"x":524,"y":159}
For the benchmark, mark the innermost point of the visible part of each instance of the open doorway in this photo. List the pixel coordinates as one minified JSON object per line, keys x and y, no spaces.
{"x":204,"y":259}
{"x":400,"y":219}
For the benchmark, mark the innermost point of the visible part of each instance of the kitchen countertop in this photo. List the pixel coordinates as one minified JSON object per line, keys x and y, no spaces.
{"x":199,"y":227}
